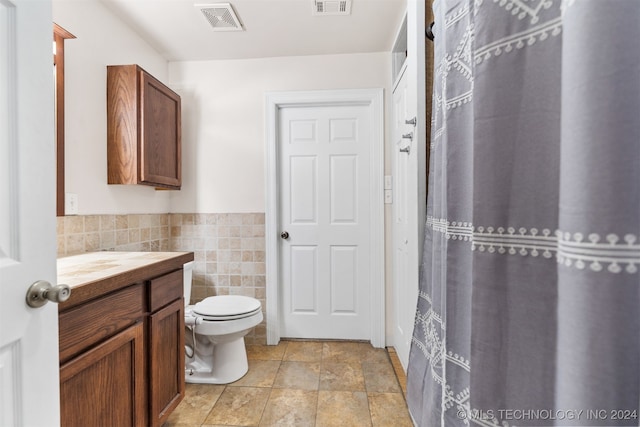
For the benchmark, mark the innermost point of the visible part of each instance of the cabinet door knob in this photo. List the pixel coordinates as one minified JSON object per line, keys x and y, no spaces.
{"x":41,"y":292}
{"x":284,"y":235}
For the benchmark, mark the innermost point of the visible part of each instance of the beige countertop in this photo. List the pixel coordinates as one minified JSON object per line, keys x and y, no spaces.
{"x":94,"y":273}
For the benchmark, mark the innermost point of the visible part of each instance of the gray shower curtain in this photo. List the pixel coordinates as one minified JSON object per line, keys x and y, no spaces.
{"x":528,"y":311}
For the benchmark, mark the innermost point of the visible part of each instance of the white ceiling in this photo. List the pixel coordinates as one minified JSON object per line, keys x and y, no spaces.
{"x":179,"y":31}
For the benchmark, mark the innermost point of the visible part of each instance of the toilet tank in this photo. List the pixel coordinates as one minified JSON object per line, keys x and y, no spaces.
{"x":186,"y":281}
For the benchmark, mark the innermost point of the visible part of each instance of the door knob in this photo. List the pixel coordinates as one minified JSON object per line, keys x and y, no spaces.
{"x":42,"y":292}
{"x":284,"y":235}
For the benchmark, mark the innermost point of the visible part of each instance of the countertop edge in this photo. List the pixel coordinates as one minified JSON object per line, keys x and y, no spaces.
{"x":97,"y":288}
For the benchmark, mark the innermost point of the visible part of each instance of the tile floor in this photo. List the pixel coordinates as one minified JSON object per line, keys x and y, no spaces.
{"x":303,"y":383}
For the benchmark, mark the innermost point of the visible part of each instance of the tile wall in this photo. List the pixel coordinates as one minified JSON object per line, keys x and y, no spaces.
{"x":89,"y":233}
{"x":229,"y":254}
{"x":229,"y":248}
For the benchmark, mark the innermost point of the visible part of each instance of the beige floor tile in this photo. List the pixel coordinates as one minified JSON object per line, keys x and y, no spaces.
{"x":303,"y":351}
{"x":262,"y":373}
{"x":239,"y":406}
{"x":370,"y":354}
{"x":346,"y":370}
{"x":341,"y":351}
{"x":266,"y":352}
{"x":380,"y":378}
{"x":295,"y":408}
{"x":298,"y":375}
{"x":196,"y":405}
{"x":341,"y":376}
{"x":342,"y":409}
{"x":389,"y":410}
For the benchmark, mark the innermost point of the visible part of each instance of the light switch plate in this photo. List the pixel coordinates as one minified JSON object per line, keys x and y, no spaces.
{"x":388,"y":196}
{"x":388,"y":182}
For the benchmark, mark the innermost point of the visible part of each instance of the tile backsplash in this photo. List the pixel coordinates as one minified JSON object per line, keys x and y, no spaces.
{"x":229,"y":248}
{"x":89,"y":233}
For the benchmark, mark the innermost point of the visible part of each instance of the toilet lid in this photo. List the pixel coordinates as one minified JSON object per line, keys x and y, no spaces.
{"x":226,"y":306}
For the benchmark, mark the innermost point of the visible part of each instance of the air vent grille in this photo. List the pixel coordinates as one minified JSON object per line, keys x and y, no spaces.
{"x":220,"y":16}
{"x":332,"y":7}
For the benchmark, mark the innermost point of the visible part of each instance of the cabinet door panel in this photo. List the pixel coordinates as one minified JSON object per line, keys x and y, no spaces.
{"x":105,"y":386}
{"x":161,"y":146}
{"x":166,"y":359}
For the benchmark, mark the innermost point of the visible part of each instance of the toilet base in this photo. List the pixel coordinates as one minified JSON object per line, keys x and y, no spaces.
{"x":225,"y":363}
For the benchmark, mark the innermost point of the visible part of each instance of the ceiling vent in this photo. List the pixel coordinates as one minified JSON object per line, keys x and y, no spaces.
{"x":221,"y":16}
{"x":331,"y":7}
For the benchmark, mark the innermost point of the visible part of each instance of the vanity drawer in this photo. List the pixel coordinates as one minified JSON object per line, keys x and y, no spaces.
{"x":165,"y":289}
{"x":86,"y":325}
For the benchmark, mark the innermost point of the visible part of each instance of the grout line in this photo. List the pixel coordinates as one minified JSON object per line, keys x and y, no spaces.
{"x":267,"y":402}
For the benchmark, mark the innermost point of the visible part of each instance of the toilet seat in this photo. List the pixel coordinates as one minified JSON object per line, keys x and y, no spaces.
{"x":227,"y":307}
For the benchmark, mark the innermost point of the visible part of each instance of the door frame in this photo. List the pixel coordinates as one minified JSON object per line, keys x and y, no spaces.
{"x":373,"y":99}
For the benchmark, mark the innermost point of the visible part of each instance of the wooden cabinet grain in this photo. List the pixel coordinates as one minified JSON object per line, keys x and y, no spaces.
{"x":105,"y":385}
{"x":122,"y":355}
{"x":165,"y":346}
{"x":166,"y":361}
{"x":143,"y":129}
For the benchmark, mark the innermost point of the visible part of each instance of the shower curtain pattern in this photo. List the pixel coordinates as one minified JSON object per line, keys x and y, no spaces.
{"x":619,"y":254}
{"x":529,"y":285}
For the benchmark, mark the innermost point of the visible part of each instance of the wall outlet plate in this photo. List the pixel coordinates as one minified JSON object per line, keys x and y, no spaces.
{"x":70,"y":204}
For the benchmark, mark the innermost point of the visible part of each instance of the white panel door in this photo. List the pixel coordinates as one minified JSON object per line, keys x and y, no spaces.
{"x":324,"y":207}
{"x":405,"y":266}
{"x":29,"y":386}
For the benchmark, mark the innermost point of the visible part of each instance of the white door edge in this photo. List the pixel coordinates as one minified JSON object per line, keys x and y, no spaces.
{"x":399,"y":78}
{"x":374,"y":99}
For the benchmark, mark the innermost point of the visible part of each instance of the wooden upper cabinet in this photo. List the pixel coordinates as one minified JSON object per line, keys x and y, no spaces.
{"x":143,"y":129}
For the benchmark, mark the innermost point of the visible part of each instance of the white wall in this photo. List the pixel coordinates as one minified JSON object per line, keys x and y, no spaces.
{"x":102,"y":39}
{"x":223,"y":120}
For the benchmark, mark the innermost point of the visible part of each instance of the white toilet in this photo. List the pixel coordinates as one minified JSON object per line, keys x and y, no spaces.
{"x":214,"y":335}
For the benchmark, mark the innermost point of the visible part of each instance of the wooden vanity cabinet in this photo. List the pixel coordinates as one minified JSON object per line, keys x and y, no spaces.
{"x":102,"y":356}
{"x":143,"y":129}
{"x":165,"y":346}
{"x":122,"y":355}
